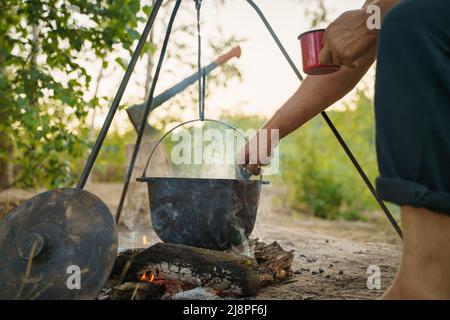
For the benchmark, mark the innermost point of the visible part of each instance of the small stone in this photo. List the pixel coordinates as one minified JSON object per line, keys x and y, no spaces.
{"x":321,"y":270}
{"x":341,"y":272}
{"x":314,"y":272}
{"x":331,"y":265}
{"x":327,"y":276}
{"x":326,"y":241}
{"x":198,"y":293}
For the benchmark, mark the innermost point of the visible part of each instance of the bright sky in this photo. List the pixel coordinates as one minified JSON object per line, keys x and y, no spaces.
{"x":267,"y":79}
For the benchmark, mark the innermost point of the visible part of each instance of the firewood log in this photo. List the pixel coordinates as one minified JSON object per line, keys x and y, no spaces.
{"x":229,"y":274}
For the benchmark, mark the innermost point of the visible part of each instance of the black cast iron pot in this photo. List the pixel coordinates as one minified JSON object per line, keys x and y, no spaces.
{"x":215,"y":214}
{"x":208,"y":213}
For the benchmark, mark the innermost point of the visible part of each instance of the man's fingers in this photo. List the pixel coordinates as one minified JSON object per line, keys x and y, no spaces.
{"x":253,"y":169}
{"x":324,"y":38}
{"x":336,"y":59}
{"x":325,"y":56}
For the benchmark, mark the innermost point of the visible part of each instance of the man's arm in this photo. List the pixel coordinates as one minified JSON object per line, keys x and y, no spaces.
{"x":315,"y":94}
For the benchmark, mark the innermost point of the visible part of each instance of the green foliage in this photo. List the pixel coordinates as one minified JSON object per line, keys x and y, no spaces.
{"x":111,"y":162}
{"x":315,"y":171}
{"x":244,"y":122}
{"x":316,"y":12}
{"x":43,"y":105}
{"x":45,"y":48}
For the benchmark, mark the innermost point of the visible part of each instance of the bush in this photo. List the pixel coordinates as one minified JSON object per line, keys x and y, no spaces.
{"x":111,"y":163}
{"x":314,"y":169}
{"x":319,"y":176}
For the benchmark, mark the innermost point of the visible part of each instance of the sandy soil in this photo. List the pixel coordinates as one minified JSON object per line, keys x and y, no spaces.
{"x":331,"y":257}
{"x":328,"y":267}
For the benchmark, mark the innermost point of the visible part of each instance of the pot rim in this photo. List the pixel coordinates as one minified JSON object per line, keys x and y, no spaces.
{"x":151,"y":179}
{"x":310,"y":31}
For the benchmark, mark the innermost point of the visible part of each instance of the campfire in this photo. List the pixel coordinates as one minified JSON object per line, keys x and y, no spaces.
{"x":173,"y":271}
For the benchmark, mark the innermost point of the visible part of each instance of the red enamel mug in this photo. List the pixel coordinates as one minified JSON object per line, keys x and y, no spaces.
{"x":311,"y":44}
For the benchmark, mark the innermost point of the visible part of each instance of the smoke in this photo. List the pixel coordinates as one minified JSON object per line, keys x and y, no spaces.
{"x":205,"y":152}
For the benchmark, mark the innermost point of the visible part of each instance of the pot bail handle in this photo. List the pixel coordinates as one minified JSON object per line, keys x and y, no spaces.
{"x":182,"y":124}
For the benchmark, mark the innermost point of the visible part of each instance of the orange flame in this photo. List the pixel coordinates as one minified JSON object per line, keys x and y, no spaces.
{"x":151,"y":278}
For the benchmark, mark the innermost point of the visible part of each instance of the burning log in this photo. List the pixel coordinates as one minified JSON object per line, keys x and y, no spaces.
{"x":178,"y":268}
{"x":227,"y":273}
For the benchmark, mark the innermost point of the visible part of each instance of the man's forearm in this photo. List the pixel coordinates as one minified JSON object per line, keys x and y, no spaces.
{"x":315,"y":94}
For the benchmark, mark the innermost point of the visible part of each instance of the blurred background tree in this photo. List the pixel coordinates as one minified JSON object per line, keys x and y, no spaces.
{"x":45,"y":50}
{"x":43,"y":103}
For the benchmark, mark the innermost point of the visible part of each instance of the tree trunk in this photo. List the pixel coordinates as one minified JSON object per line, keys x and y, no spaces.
{"x":6,"y":165}
{"x":6,"y":150}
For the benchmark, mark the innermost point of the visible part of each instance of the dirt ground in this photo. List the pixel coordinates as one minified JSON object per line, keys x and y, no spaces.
{"x":331,"y":257}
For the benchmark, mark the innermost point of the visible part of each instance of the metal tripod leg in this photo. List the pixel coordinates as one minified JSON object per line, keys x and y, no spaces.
{"x":118,"y":97}
{"x":147,"y":111}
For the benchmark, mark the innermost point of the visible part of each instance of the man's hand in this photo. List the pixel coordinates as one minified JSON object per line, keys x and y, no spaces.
{"x":347,"y":39}
{"x":254,"y":154}
{"x":244,"y":159}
